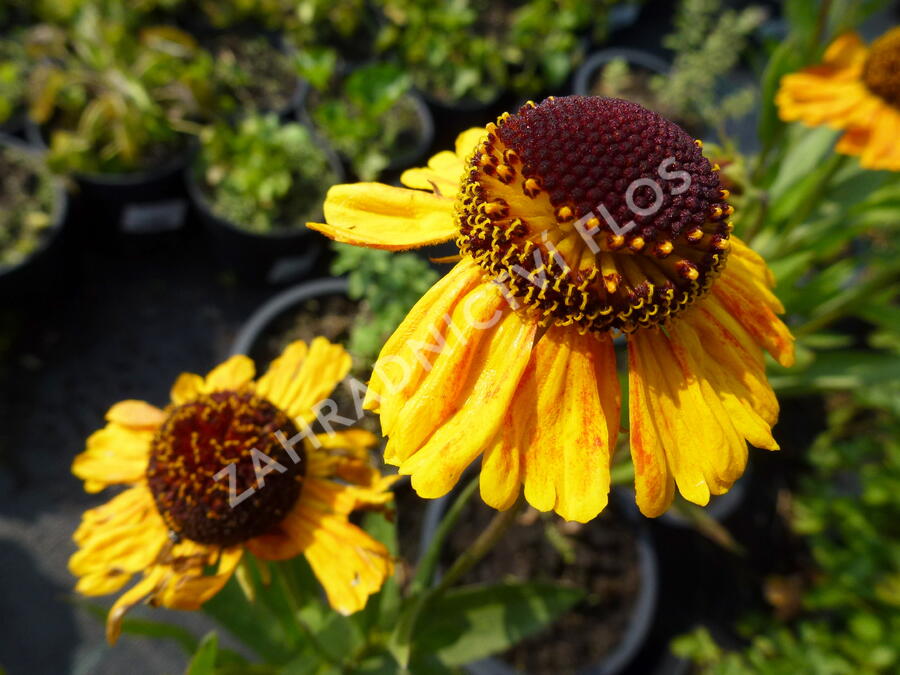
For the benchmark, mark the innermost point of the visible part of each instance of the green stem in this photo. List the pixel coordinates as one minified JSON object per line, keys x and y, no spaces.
{"x":482,"y":546}
{"x":292,"y":595}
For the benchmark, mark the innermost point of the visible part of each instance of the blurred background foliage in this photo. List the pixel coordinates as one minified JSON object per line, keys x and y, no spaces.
{"x":114,"y":87}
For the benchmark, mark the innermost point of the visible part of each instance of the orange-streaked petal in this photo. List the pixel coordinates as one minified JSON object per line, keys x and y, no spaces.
{"x":409,"y":354}
{"x":703,"y":451}
{"x":755,"y":316}
{"x":653,"y":482}
{"x":472,"y":324}
{"x":386,"y":217}
{"x":567,"y":410}
{"x":465,"y":397}
{"x":724,"y":379}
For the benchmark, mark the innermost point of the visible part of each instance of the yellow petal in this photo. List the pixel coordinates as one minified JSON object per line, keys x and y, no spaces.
{"x":190,"y":591}
{"x":471,"y":326}
{"x":846,"y":50}
{"x":704,"y":453}
{"x":136,"y":415}
{"x":236,"y":372}
{"x":467,"y":140}
{"x":282,"y":372}
{"x":567,"y":423}
{"x":137,"y":594}
{"x":409,"y":353}
{"x":348,"y":563}
{"x":114,"y":454}
{"x":311,"y":381}
{"x":653,"y":482}
{"x":386,"y":217}
{"x":187,"y":387}
{"x":442,"y":175}
{"x":721,"y":382}
{"x":755,"y":316}
{"x":475,"y":391}
{"x":116,"y":540}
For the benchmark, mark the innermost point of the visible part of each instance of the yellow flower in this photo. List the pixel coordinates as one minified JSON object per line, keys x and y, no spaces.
{"x":208,"y":479}
{"x":510,"y":356}
{"x":856,"y":89}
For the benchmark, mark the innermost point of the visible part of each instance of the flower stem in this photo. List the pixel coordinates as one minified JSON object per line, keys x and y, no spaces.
{"x":293,"y":599}
{"x":482,"y":546}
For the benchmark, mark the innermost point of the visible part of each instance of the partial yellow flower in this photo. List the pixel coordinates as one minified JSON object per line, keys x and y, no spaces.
{"x":207,"y":479}
{"x":855,"y":89}
{"x":510,"y":356}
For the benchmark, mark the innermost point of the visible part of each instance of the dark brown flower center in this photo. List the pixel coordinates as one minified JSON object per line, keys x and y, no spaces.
{"x":596,"y":212}
{"x":213,"y":471}
{"x":881,"y":71}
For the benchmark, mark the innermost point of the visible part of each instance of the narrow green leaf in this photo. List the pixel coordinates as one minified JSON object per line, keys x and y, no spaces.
{"x":204,"y":660}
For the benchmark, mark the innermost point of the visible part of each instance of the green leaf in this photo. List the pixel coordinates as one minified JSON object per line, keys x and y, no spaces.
{"x":204,"y":660}
{"x":807,"y":150}
{"x":148,"y":628}
{"x":254,"y":624}
{"x":472,"y":623}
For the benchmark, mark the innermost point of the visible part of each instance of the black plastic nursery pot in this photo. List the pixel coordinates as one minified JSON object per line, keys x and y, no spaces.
{"x":641,"y":614}
{"x":36,"y":275}
{"x":260,"y":259}
{"x":249,"y":338}
{"x":453,"y":117}
{"x":588,"y":72}
{"x":143,"y":204}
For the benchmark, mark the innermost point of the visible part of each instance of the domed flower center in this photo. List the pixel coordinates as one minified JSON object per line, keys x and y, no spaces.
{"x":595,"y":212}
{"x":213,"y":471}
{"x":881,"y":71}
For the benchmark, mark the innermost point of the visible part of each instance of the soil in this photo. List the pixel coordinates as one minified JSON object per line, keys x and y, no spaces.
{"x":600,"y":556}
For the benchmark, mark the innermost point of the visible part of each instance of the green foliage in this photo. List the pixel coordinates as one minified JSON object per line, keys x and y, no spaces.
{"x":113,"y":103}
{"x":848,"y":509}
{"x":253,"y":74}
{"x":446,"y":47}
{"x":707,"y":43}
{"x":13,"y":75}
{"x":264,"y":174}
{"x":544,"y":41}
{"x":323,"y":22}
{"x":368,"y":117}
{"x":26,"y":202}
{"x":388,"y":284}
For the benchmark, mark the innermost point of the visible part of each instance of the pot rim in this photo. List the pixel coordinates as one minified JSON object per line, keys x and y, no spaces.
{"x":200,"y":200}
{"x":581,"y":85}
{"x":58,"y":213}
{"x":280,"y":303}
